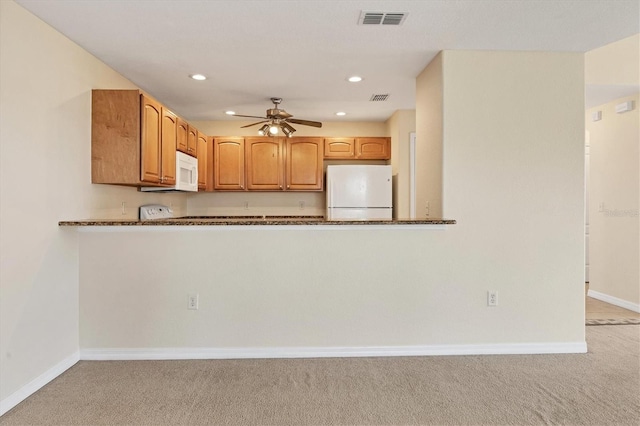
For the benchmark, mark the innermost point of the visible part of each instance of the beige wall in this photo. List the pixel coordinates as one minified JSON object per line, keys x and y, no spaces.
{"x":328,"y":129}
{"x":614,"y":194}
{"x":401,"y":124}
{"x":513,"y":178}
{"x":612,"y":74}
{"x":614,"y":64}
{"x":429,"y":134}
{"x":45,"y":110}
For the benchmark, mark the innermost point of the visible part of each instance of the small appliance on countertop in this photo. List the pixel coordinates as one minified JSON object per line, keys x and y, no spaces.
{"x":155,"y":211}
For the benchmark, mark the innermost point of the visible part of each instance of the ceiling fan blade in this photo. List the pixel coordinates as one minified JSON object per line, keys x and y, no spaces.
{"x":248,"y":116}
{"x":259,"y":122}
{"x":305,"y":122}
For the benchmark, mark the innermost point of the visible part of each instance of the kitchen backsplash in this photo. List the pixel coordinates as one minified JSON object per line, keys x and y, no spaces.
{"x":256,"y":204}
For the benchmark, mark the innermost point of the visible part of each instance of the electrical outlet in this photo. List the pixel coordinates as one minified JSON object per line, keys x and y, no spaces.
{"x":124,"y":208}
{"x":246,"y":205}
{"x":192,"y":301}
{"x":301,"y":205}
{"x":427,"y":208}
{"x":492,"y":298}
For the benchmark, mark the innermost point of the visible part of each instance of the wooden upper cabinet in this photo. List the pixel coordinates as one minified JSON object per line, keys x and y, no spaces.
{"x":168,"y":138}
{"x":264,"y":159}
{"x":339,"y":148}
{"x":203,"y":171}
{"x":228,"y":163}
{"x":192,"y":141}
{"x":181,"y":140}
{"x":373,"y":148}
{"x":304,"y":169}
{"x":133,"y":139}
{"x":151,"y":143}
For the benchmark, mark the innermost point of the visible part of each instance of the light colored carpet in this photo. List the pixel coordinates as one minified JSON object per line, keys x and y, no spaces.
{"x":601,"y":387}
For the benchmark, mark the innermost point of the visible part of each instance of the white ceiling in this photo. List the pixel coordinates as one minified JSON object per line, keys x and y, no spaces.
{"x":303,"y":51}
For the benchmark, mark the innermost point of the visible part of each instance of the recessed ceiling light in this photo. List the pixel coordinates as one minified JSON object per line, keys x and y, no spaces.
{"x":341,"y":113}
{"x":230,"y":112}
{"x":354,"y":79}
{"x":198,"y":77}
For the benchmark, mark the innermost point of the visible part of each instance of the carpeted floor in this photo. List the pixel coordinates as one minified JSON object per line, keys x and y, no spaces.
{"x":601,"y":387}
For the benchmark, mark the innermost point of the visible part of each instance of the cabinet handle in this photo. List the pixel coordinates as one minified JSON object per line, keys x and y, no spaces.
{"x":280,"y":186}
{"x":288,"y":186}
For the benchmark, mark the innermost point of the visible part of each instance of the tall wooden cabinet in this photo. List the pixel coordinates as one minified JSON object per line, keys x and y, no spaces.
{"x":133,"y":139}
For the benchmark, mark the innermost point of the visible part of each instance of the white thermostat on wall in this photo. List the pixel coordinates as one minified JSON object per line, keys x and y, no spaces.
{"x":155,"y":211}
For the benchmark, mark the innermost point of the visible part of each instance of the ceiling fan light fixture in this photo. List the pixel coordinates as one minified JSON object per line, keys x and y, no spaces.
{"x":287,"y":129}
{"x":230,"y":112}
{"x":263,"y":130}
{"x":273,"y":129}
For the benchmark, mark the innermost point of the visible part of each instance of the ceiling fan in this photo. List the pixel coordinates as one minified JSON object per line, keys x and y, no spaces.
{"x":278,"y":119}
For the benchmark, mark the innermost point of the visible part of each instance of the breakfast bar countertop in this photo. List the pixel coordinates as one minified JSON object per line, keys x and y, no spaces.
{"x":250,"y":220}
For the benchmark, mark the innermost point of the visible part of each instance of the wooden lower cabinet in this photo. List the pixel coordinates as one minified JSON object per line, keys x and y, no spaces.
{"x":228,"y":164}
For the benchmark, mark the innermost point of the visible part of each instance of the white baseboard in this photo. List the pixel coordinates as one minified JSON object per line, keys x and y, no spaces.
{"x":614,"y":301}
{"x":328,"y":352}
{"x":31,"y":387}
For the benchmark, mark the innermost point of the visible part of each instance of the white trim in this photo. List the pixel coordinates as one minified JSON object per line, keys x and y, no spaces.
{"x":33,"y":386}
{"x":200,"y":228}
{"x":614,"y":301}
{"x":328,"y":352}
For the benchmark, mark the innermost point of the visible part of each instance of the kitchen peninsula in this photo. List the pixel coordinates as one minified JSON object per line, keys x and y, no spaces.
{"x":252,"y":220}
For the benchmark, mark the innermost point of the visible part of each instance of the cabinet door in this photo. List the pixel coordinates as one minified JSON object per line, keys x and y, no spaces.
{"x":202,"y":161}
{"x":192,"y":141}
{"x":168,"y":136}
{"x":265,"y":163}
{"x":304,"y":164}
{"x":373,"y":148}
{"x":150,"y":143}
{"x":183,"y":132}
{"x":228,"y":164}
{"x":339,"y":148}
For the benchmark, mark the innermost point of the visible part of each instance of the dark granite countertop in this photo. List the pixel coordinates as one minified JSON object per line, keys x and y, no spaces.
{"x":250,"y":220}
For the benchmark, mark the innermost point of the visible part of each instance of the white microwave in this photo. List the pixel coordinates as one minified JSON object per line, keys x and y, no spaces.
{"x":186,"y":175}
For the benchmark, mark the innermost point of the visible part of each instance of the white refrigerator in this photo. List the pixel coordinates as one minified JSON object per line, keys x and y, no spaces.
{"x":358,"y":192}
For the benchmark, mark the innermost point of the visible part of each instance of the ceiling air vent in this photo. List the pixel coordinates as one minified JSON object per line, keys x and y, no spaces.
{"x":381,"y":18}
{"x":379,"y":98}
